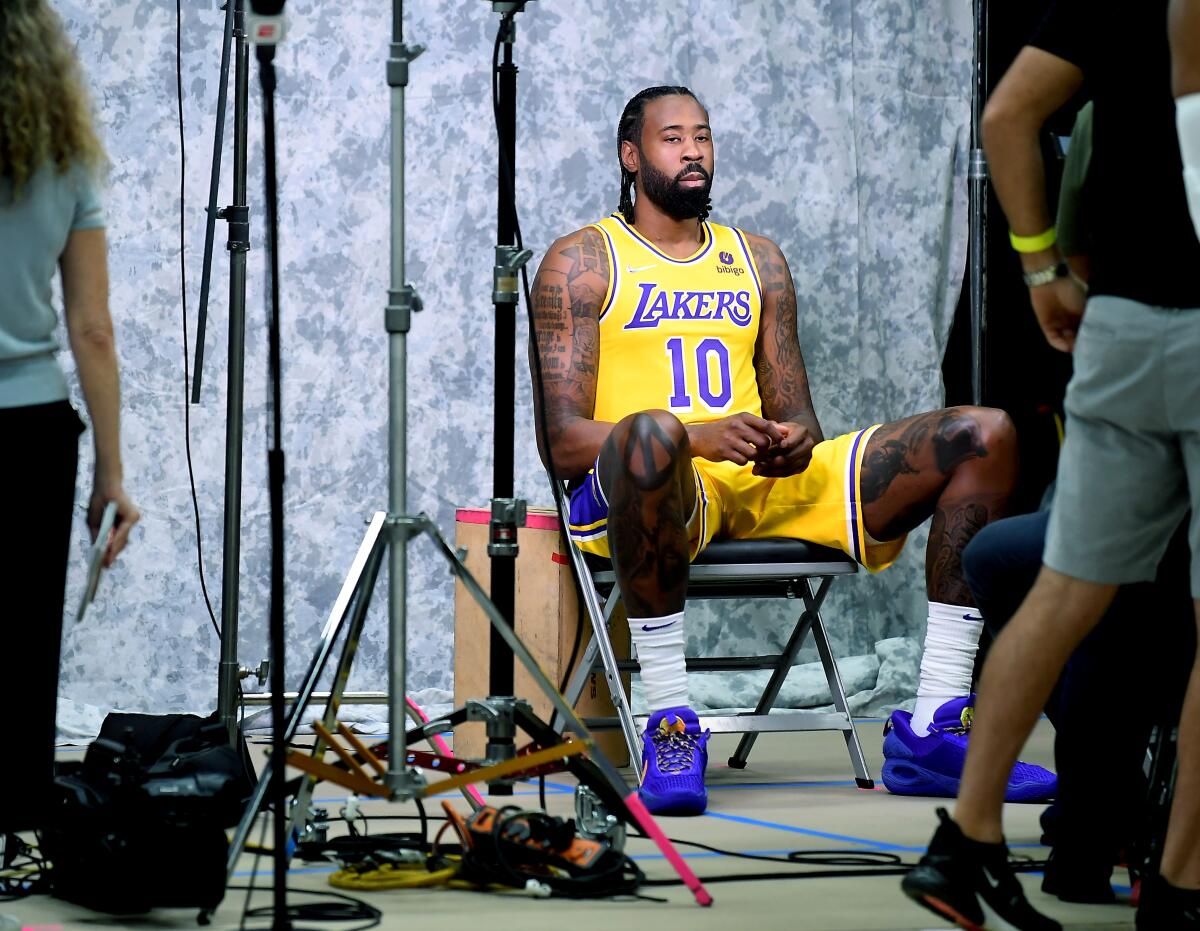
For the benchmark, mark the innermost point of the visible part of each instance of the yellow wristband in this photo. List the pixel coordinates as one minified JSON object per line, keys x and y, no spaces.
{"x":1038,"y":243}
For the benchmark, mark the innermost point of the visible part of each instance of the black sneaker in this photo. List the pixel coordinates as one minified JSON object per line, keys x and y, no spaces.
{"x":1163,"y":907}
{"x":971,"y":884}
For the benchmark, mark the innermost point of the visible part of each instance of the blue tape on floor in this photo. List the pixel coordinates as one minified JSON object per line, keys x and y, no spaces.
{"x":267,"y":870}
{"x":701,"y":854}
{"x":783,"y":785}
{"x":843,"y":838}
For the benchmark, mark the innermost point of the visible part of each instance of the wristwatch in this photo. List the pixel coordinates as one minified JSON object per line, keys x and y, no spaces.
{"x":1046,"y":275}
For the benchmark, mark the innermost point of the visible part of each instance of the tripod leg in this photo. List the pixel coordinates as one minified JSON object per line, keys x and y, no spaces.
{"x":509,"y":636}
{"x":358,"y":614}
{"x":359,"y":581}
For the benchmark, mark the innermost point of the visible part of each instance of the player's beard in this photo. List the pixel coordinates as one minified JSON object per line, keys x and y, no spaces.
{"x":665,"y":192}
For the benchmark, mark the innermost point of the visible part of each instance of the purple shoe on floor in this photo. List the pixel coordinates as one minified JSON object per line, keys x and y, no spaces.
{"x":932,"y":764}
{"x":674,"y":756}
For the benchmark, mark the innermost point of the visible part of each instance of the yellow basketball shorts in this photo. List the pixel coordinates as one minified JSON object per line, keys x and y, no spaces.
{"x":822,"y":505}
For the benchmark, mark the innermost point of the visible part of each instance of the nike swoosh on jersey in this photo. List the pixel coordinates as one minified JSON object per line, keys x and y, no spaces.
{"x":641,"y":268}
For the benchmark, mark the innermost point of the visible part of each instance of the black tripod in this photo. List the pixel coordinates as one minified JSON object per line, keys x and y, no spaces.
{"x":281,"y":921}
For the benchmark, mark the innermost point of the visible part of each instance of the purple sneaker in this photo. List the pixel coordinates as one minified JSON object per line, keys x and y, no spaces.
{"x":932,"y":764}
{"x":674,"y":755}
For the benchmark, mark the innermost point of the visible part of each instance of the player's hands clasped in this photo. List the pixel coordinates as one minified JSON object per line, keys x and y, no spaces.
{"x":1059,"y":308}
{"x":739,"y":438}
{"x":790,"y":455}
{"x":776,"y":449}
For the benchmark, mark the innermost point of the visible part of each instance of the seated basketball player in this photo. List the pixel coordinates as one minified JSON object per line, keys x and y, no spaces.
{"x":677,"y":404}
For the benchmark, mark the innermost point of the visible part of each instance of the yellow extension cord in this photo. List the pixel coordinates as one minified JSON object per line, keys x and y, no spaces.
{"x":395,"y":876}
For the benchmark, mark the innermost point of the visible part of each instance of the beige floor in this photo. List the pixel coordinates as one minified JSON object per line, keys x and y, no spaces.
{"x":795,"y":795}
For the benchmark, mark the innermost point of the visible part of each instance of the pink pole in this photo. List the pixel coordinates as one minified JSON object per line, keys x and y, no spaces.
{"x":633,"y":802}
{"x":443,"y":748}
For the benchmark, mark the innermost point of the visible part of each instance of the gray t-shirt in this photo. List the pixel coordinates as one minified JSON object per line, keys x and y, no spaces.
{"x":33,"y":234}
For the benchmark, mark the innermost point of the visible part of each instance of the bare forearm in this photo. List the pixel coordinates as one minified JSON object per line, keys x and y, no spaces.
{"x":783,"y":386}
{"x":96,"y":361}
{"x":1018,"y":172}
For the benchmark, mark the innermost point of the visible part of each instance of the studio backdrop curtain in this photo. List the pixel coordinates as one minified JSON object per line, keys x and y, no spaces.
{"x":841,"y":129}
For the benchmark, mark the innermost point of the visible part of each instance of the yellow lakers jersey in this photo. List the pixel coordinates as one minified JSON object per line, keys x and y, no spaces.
{"x":678,"y":334}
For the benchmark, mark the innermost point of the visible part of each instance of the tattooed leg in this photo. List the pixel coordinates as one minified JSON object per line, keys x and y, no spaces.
{"x":646,"y":473}
{"x":957,"y":465}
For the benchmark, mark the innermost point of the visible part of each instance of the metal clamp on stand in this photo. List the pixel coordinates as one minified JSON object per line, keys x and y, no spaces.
{"x":507,"y":515}
{"x":238,"y":218}
{"x":402,"y":304}
{"x":509,"y":262}
{"x":498,"y":713}
{"x":397,"y":65}
{"x":595,"y":821}
{"x":260,"y":672}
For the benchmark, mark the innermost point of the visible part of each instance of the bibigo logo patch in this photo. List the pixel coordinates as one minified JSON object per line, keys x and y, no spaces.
{"x":726,"y":266}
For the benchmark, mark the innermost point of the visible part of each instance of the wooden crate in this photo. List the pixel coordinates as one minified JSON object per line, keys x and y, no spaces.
{"x":547,"y":617}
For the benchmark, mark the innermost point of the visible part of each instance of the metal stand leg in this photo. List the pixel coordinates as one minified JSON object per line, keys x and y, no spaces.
{"x":578,"y":680}
{"x":782,"y":668}
{"x":351,"y":604}
{"x":862,"y":775}
{"x":357,"y":614}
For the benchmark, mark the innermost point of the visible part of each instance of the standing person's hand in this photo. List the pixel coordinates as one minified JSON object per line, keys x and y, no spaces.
{"x":739,"y":438}
{"x":1059,"y":308}
{"x":127,"y":515}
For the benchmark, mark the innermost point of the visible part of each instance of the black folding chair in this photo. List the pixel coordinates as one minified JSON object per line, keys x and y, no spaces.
{"x":730,"y":569}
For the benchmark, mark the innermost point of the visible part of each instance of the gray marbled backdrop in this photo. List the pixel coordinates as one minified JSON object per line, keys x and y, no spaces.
{"x":841,"y":130}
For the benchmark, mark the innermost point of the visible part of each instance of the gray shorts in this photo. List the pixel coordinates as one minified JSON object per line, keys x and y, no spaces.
{"x":1130,"y":465}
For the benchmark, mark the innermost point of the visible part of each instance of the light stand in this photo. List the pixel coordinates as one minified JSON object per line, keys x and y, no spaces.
{"x":978,"y":201}
{"x":508,"y":513}
{"x":275,"y":478}
{"x":388,"y":532}
{"x":237,"y":215}
{"x":403,"y":300}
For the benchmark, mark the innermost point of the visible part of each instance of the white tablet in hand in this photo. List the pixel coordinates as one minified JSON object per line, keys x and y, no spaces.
{"x":96,"y":558}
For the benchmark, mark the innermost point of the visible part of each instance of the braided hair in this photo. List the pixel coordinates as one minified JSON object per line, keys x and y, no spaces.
{"x":629,"y":129}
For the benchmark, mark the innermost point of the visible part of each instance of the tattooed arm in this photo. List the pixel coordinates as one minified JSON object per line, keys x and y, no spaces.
{"x":782,"y":379}
{"x":567,"y":295}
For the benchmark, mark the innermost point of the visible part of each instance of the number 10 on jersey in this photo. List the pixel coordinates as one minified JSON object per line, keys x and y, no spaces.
{"x":714,"y":382}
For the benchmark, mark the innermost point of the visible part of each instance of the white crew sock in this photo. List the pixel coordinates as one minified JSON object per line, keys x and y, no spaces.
{"x":951,"y":640}
{"x":659,"y":642}
{"x":1187,"y":121}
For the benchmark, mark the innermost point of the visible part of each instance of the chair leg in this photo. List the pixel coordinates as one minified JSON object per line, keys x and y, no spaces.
{"x":576,"y":683}
{"x":767,"y":701}
{"x":612,"y":676}
{"x":608,"y":658}
{"x":862,"y":775}
{"x":600,"y":617}
{"x":583,"y":671}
